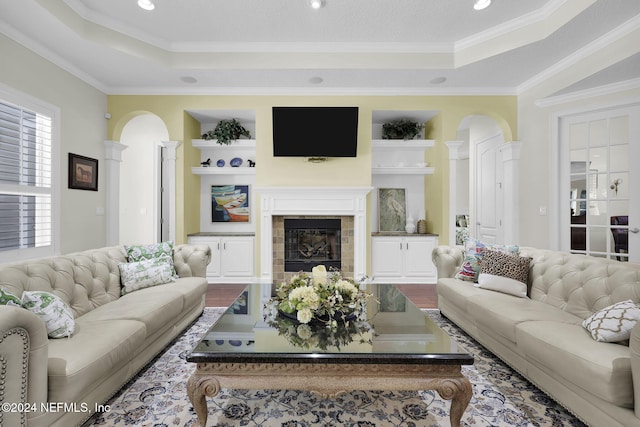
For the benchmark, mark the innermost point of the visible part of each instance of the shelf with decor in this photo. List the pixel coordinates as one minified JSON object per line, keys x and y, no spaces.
{"x":242,"y":149}
{"x":399,"y":157}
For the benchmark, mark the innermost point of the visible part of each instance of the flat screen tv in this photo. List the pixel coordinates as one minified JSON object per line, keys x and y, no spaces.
{"x":315,"y":131}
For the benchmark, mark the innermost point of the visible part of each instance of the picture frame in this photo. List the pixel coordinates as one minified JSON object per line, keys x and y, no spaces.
{"x":391,"y":299}
{"x":392,"y":209}
{"x":230,"y":203}
{"x":240,"y":305}
{"x":83,"y":172}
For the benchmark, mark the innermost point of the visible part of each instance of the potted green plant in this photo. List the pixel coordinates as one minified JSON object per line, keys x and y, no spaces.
{"x":227,"y":131}
{"x":401,"y":129}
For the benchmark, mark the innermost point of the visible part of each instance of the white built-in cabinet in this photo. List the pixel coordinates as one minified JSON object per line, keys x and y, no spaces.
{"x":403,"y":258}
{"x":232,"y":257}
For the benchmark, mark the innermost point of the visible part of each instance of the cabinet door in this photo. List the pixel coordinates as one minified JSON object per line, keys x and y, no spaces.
{"x":418,"y":261}
{"x":213,"y":269}
{"x":237,"y":257}
{"x":386,"y":258}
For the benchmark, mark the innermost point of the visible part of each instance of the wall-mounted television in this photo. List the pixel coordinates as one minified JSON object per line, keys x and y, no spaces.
{"x":315,"y":131}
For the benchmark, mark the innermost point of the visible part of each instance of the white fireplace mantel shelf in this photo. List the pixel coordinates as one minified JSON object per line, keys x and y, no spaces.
{"x":321,"y":201}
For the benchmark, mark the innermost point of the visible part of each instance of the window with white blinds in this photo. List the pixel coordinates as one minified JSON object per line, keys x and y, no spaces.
{"x":25,"y":178}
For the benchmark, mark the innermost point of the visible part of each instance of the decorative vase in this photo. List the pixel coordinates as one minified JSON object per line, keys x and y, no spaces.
{"x":422,"y":226}
{"x":410,"y":226}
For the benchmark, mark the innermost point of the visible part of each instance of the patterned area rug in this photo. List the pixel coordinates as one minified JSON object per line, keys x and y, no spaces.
{"x":157,"y":397}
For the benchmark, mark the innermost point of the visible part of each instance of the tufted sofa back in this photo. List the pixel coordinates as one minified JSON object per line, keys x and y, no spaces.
{"x":85,"y":280}
{"x":579,"y":284}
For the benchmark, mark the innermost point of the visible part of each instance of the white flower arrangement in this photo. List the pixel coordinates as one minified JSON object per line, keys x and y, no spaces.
{"x":319,"y":310}
{"x":323,"y":295}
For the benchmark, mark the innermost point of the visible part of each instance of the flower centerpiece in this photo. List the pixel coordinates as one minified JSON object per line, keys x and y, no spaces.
{"x":323,"y":295}
{"x":319,"y":309}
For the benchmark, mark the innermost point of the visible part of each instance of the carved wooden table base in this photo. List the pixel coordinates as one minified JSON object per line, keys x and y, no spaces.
{"x":329,"y":380}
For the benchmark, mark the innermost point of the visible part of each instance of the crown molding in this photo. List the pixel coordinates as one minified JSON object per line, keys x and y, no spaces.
{"x":526,"y":29}
{"x":529,"y":19}
{"x":592,"y":48}
{"x":580,"y":95}
{"x":306,"y":91}
{"x":48,"y":55}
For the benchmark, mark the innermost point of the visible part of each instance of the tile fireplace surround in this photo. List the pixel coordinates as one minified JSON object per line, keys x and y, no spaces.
{"x":346,"y":245}
{"x":316,"y":202}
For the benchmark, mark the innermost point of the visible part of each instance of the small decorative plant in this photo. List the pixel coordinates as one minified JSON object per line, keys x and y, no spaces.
{"x":227,"y":131}
{"x":401,"y":129}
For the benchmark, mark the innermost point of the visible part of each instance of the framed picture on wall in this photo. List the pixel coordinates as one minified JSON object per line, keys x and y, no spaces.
{"x":230,"y":203}
{"x":392,"y":209}
{"x":83,"y":172}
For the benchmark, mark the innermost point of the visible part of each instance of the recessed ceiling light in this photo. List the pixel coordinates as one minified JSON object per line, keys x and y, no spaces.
{"x":481,"y":4}
{"x":188,"y":79}
{"x":438,"y":80}
{"x":316,"y":4}
{"x":316,"y":80}
{"x":146,"y":4}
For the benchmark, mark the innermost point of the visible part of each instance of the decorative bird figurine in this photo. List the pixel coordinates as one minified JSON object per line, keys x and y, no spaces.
{"x":206,"y":163}
{"x":251,"y":163}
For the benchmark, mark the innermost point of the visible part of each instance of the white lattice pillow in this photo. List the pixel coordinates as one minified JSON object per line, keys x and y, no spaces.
{"x":613,"y":323}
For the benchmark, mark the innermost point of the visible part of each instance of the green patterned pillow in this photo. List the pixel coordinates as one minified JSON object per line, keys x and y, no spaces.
{"x":7,"y":298}
{"x":146,"y":273}
{"x":53,"y":310}
{"x":155,"y":250}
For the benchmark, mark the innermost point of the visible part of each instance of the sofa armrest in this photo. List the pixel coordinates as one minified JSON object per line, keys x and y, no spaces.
{"x":447,"y":259}
{"x":634,"y":350}
{"x":24,"y":348}
{"x":191,"y":260}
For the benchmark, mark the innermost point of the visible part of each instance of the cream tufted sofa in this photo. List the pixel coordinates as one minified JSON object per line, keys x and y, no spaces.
{"x":542,"y":337}
{"x":62,"y":380}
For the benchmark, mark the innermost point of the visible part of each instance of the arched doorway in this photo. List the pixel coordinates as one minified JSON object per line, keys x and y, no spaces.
{"x":141,"y":202}
{"x":484,"y":202}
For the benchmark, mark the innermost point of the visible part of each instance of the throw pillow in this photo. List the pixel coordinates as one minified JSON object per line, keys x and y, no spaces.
{"x":613,"y":323}
{"x":7,"y":298}
{"x":155,"y":250}
{"x":470,"y":267}
{"x":504,"y":273}
{"x":146,"y":273}
{"x":56,"y":313}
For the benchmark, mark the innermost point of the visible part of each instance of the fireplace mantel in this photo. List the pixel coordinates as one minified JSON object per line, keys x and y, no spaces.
{"x":321,"y":201}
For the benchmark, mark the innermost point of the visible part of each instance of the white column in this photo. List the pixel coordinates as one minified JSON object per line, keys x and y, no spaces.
{"x":113,"y":157}
{"x":511,"y":160}
{"x":454,"y":156}
{"x":170,"y":192}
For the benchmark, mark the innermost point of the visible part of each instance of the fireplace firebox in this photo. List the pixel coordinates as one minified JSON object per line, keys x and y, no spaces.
{"x":309,"y":242}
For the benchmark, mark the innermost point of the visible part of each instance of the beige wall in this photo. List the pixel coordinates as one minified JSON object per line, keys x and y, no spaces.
{"x":82,"y":131}
{"x":273,"y":171}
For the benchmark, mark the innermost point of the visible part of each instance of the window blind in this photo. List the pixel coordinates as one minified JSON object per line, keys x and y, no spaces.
{"x":25,"y":178}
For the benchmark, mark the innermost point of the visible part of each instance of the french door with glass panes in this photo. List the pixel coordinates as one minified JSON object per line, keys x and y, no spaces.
{"x":600,"y":152}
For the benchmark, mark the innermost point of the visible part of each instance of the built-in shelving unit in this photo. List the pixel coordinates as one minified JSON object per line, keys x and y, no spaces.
{"x":400,"y":163}
{"x":224,"y":236}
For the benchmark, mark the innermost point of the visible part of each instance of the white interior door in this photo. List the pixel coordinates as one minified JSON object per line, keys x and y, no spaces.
{"x":602,"y":217}
{"x":488,"y":190}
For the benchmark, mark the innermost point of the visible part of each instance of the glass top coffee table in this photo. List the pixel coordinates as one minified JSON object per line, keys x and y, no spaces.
{"x":397,"y":347}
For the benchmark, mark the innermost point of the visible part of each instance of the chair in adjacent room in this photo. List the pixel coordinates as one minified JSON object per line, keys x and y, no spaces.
{"x":620,"y":235}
